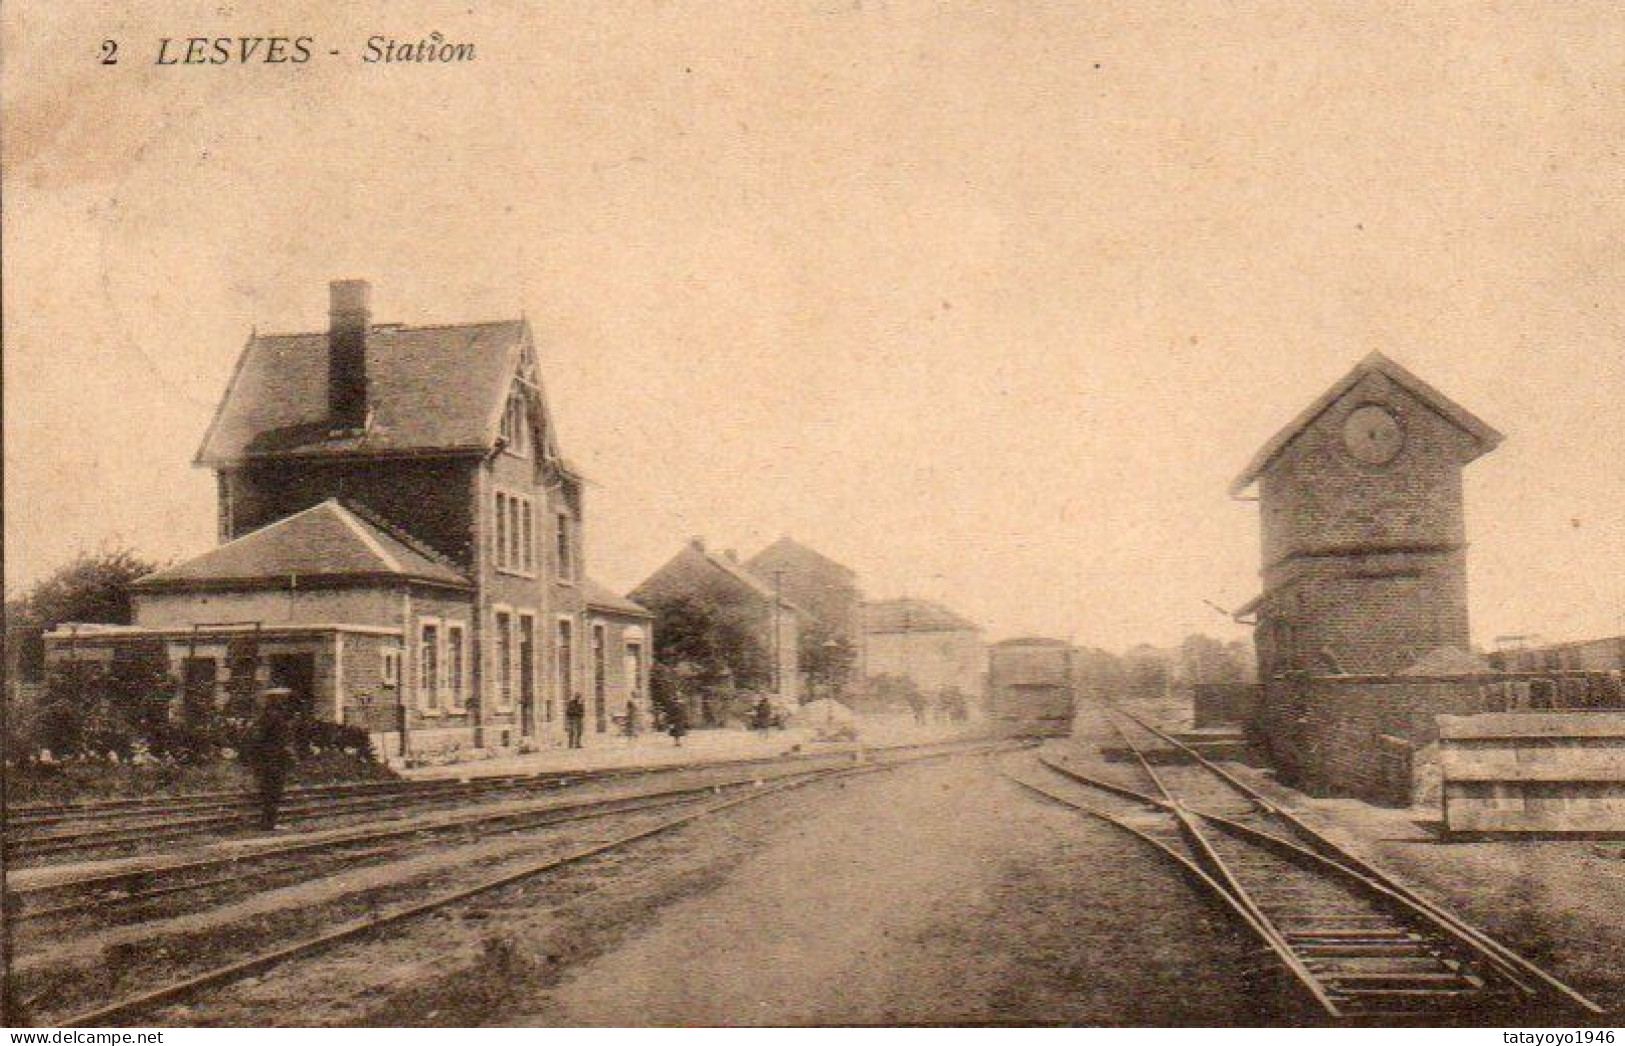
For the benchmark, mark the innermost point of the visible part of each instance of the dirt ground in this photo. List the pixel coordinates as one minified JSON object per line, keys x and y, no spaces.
{"x":942,"y":896}
{"x":937,"y":894}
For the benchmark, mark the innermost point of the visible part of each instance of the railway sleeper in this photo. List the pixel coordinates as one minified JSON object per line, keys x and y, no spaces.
{"x":1362,"y":934}
{"x":1396,"y":964}
{"x":1404,"y":1002}
{"x":1341,"y":921}
{"x":1398,"y":978}
{"x":1333,"y":950}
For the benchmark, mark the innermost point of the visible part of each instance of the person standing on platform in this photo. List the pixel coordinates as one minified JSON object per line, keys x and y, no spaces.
{"x":575,"y":719}
{"x":762,"y":717}
{"x":677,"y":723}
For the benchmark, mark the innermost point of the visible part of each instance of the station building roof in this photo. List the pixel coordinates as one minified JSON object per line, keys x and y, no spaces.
{"x":328,"y":541}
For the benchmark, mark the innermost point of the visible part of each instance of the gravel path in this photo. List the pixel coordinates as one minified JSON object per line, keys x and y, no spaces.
{"x":937,"y":895}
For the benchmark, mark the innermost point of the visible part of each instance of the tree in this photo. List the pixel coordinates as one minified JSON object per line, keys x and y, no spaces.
{"x":92,"y":710}
{"x":138,"y":692}
{"x":826,"y":656}
{"x":1246,"y":658}
{"x":1100,"y":674}
{"x":888,"y":691}
{"x":91,"y":588}
{"x":1203,"y":659}
{"x":714,"y":642}
{"x":1147,"y":672}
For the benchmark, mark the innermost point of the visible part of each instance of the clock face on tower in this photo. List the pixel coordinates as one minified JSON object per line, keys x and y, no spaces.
{"x":1373,"y":435}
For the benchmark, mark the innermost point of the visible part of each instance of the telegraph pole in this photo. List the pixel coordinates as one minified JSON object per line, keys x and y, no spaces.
{"x":778,"y":588}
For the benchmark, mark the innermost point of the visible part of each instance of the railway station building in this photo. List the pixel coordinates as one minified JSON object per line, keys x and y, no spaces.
{"x":402,"y":545}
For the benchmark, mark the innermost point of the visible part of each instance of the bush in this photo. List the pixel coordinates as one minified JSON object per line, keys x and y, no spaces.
{"x":91,"y":711}
{"x":316,"y":736}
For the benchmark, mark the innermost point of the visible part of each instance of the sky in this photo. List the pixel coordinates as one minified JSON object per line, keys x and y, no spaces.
{"x":988,"y":301}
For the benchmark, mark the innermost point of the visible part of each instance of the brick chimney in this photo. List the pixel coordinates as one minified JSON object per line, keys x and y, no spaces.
{"x":349,"y":314}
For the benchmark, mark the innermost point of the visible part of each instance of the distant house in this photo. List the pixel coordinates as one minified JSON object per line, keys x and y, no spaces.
{"x":402,"y":543}
{"x":720,"y":582}
{"x":828,"y":592}
{"x":825,"y":589}
{"x":925,"y":642}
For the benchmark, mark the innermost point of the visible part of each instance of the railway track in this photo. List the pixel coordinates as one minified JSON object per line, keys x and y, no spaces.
{"x":1361,"y":946}
{"x":691,"y":803}
{"x":42,"y":832}
{"x":120,"y":893}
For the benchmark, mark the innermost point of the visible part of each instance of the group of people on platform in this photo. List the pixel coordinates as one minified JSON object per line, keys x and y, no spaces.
{"x":575,"y":722}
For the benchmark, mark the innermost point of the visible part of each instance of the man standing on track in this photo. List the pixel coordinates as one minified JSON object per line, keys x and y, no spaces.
{"x":575,"y":719}
{"x":268,"y":754}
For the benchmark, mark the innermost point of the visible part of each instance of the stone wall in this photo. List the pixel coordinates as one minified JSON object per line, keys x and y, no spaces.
{"x":1347,"y":736}
{"x":1225,"y":704}
{"x":1372,"y":737}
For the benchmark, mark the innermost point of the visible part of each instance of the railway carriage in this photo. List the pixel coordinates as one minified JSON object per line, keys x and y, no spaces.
{"x":1032,"y":686}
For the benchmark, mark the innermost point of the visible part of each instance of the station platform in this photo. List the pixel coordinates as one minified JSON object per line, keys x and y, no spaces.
{"x":605,"y":752}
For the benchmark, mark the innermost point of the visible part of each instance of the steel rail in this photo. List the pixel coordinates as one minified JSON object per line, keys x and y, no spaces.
{"x":1204,"y":847}
{"x":102,"y":1016}
{"x":538,"y":819}
{"x":1196,"y":872}
{"x":166,"y":803}
{"x":246,"y":810}
{"x":1376,"y":882}
{"x":331,"y":800}
{"x":1481,"y":941}
{"x":369,"y":835}
{"x":122,"y":835}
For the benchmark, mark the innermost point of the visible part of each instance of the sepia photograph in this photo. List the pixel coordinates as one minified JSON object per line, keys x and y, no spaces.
{"x":881,"y":514}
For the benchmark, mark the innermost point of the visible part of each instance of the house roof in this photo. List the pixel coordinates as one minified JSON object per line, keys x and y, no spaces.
{"x":746,"y":577}
{"x":602,"y":597}
{"x":1376,"y":363}
{"x":912,"y":615}
{"x":788,"y":547}
{"x":429,"y":388}
{"x":1043,"y":641}
{"x":741,"y":573}
{"x":327,"y":540}
{"x":725,"y":565}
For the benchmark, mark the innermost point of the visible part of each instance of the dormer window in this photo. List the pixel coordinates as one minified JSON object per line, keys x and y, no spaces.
{"x":516,"y":426}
